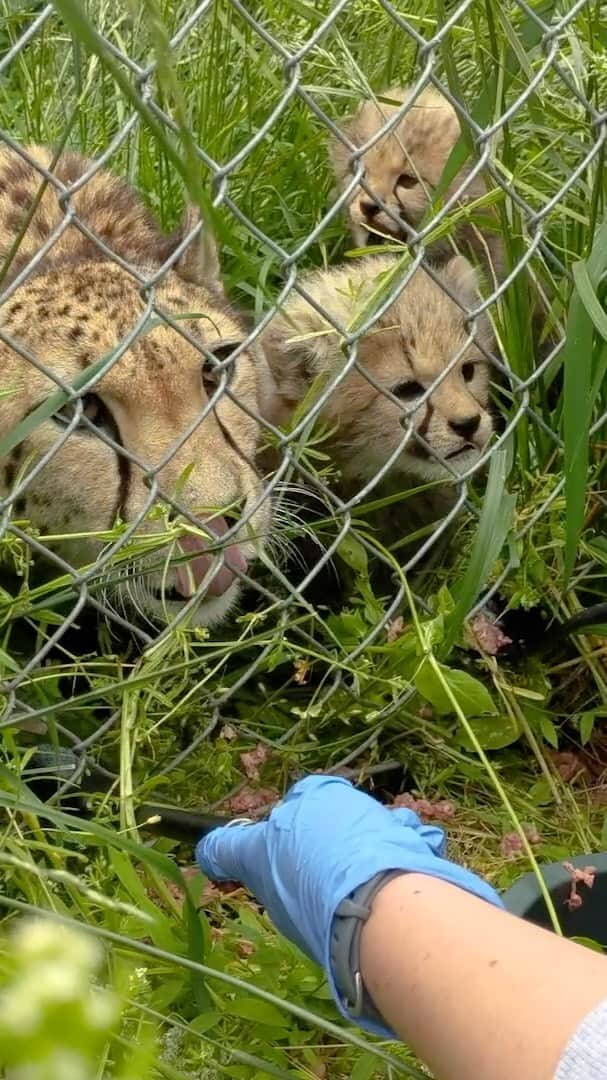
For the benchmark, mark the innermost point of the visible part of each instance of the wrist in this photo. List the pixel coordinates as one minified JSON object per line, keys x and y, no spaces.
{"x":345,"y":973}
{"x":377,"y":911}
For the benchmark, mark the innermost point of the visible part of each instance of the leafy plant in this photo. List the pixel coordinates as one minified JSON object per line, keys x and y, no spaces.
{"x":57,"y":1020}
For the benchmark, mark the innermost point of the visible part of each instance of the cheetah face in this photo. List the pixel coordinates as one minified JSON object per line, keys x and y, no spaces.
{"x":415,"y":404}
{"x":402,"y":168}
{"x":164,"y":441}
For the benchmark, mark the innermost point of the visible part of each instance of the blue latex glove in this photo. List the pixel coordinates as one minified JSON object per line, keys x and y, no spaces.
{"x":322,"y":842}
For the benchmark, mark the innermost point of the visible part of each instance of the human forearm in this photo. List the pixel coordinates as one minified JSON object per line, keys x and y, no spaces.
{"x":474,"y":991}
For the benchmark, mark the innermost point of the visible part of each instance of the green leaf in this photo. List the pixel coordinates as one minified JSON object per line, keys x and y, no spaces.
{"x":431,"y":633}
{"x":348,"y":628}
{"x":493,"y":527}
{"x":310,"y":398}
{"x":92,"y":834}
{"x":588,"y":943}
{"x":549,"y":731}
{"x":531,"y":31}
{"x":577,"y":396}
{"x":541,"y":793}
{"x":353,"y":553}
{"x":205,"y":1021}
{"x":262,"y":1012}
{"x":50,"y":617}
{"x":589,"y":298}
{"x":492,"y":732}
{"x":453,"y":165}
{"x":249,"y":919}
{"x":160,"y":929}
{"x":444,"y":601}
{"x":366,"y":1067}
{"x":587,"y":721}
{"x":87,"y":832}
{"x":516,"y":57}
{"x":463,"y":149}
{"x":167,"y":992}
{"x":471,"y":695}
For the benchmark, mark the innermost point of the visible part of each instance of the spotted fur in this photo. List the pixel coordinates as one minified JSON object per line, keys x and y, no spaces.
{"x":407,"y":351}
{"x":403,"y":169}
{"x":75,"y":306}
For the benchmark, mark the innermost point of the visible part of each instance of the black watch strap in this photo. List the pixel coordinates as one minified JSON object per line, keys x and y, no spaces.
{"x":350,"y":917}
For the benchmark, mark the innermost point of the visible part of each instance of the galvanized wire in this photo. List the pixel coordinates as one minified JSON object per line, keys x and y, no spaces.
{"x":287,"y":599}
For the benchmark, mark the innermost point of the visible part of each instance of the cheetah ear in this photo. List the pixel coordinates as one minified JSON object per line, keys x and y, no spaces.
{"x":199,"y":263}
{"x":464,"y":280}
{"x":293,"y":364}
{"x":339,"y":154}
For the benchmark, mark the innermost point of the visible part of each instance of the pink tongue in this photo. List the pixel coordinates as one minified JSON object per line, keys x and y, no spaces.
{"x":192,"y":573}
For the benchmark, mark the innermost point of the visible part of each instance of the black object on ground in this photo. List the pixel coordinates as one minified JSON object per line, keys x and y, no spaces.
{"x":587,"y":918}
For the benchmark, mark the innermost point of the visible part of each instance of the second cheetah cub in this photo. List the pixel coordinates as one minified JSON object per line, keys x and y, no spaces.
{"x":403,"y":169}
{"x":416,"y":404}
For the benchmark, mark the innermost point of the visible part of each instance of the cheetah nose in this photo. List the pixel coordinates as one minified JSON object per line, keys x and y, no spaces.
{"x":467,"y":427}
{"x":368,"y":208}
{"x":191,"y":574}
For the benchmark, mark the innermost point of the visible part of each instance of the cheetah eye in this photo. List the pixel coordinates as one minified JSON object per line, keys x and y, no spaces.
{"x":406,"y":181}
{"x":95,"y":411}
{"x":468,"y":371}
{"x":408,"y":390}
{"x":213,"y":373}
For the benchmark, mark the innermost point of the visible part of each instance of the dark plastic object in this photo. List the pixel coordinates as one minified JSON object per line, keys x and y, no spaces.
{"x":54,"y":771}
{"x":590,"y":920}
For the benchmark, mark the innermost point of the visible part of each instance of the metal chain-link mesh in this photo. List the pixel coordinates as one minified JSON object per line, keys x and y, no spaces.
{"x":267,"y":245}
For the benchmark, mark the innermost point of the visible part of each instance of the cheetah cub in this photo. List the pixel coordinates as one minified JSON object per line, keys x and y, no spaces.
{"x":403,"y":169}
{"x":156,"y":428}
{"x":402,"y":406}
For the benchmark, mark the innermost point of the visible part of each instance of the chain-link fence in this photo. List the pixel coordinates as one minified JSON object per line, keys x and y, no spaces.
{"x":303,"y":480}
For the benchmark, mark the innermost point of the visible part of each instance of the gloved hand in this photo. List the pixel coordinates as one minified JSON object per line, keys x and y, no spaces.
{"x":322,"y":842}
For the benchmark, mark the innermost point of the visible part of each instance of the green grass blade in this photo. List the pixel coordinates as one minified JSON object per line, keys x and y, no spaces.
{"x":84,"y":30}
{"x":379,"y":294}
{"x":88,"y":830}
{"x":399,"y":1066}
{"x":494,"y":524}
{"x":92,"y":833}
{"x":577,"y":397}
{"x":589,"y":298}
